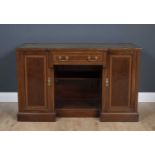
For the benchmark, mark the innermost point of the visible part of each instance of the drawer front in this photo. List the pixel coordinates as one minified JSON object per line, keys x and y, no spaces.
{"x":79,"y":58}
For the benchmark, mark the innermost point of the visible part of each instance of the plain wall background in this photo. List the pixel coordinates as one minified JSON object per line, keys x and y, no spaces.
{"x":12,"y":36}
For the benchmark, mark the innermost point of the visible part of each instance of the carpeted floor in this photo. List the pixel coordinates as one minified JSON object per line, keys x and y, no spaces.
{"x":8,"y":121}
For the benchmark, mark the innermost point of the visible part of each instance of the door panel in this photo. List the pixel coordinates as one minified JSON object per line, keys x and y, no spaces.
{"x":35,"y":81}
{"x":120,"y":79}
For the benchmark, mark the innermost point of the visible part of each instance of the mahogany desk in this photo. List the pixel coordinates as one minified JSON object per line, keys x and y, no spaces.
{"x":77,"y":80}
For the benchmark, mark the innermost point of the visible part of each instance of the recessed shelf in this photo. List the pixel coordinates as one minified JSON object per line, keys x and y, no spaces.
{"x":78,"y":89}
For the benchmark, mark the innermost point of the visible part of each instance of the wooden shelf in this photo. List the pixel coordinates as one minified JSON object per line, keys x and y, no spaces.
{"x":75,"y":78}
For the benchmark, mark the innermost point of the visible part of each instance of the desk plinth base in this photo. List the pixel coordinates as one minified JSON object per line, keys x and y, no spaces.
{"x":36,"y":117}
{"x":119,"y":117}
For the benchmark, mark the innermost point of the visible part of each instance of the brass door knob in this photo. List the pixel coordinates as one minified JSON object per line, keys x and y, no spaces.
{"x":107,"y":82}
{"x":49,"y":81}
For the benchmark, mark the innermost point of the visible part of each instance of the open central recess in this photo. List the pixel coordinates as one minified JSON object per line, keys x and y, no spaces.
{"x":78,"y":88}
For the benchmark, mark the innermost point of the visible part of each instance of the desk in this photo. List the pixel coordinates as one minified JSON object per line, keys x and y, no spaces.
{"x":77,"y":80}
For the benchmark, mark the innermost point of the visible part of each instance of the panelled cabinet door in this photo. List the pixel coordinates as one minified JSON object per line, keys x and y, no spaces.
{"x":33,"y":70}
{"x":121,"y":81}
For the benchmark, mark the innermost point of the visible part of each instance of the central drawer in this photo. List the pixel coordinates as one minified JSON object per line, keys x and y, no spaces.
{"x":79,"y":57}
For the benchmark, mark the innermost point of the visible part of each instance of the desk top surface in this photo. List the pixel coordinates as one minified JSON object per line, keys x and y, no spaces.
{"x":79,"y":45}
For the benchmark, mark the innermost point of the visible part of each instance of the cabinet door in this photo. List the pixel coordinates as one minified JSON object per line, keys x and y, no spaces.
{"x":33,"y":75}
{"x":120,"y":76}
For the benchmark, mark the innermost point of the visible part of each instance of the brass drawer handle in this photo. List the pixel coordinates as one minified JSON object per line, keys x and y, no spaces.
{"x":63,"y":58}
{"x":92,"y":58}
